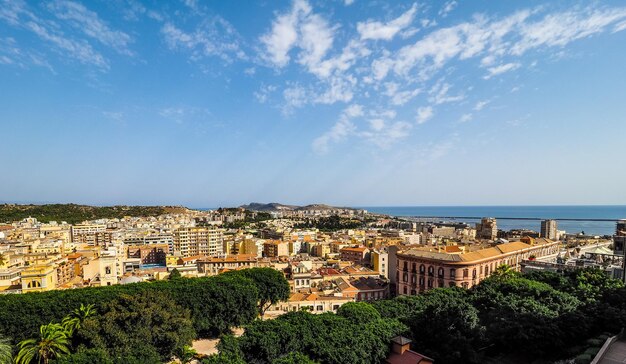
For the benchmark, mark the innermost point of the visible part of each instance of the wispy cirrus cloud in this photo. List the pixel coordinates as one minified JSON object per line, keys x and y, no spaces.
{"x":67,"y":43}
{"x":88,"y":22}
{"x":214,"y":37}
{"x":340,"y":131}
{"x":376,"y":30}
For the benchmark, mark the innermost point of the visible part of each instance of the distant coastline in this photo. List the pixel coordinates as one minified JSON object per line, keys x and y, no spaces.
{"x":592,"y":219}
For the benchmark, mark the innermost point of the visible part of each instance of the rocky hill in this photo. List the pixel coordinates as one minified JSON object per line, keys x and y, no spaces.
{"x":275,"y":207}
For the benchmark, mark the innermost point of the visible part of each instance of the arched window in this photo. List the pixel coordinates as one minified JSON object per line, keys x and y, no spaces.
{"x":413,"y":268}
{"x":431,"y":270}
{"x":422,"y":268}
{"x":440,"y":272}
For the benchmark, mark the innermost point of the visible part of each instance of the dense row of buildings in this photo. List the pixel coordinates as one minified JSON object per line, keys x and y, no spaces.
{"x":325,"y":269}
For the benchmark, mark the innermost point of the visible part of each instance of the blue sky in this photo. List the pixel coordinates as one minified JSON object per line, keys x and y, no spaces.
{"x":341,"y":102}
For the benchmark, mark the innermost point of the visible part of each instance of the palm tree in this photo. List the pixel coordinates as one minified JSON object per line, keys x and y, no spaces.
{"x":75,"y":319}
{"x":52,"y":343}
{"x":6,"y":351}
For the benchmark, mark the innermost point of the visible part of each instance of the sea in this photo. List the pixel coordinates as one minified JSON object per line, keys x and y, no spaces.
{"x":518,"y":217}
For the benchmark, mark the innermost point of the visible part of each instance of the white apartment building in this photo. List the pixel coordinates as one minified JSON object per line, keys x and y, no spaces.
{"x":192,"y":241}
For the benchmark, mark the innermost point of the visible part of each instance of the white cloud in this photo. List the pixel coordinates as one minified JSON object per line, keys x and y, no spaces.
{"x":18,"y":14}
{"x":213,"y":37}
{"x":376,"y":30}
{"x":90,"y":23}
{"x":562,"y":28}
{"x":447,"y":8}
{"x":377,"y":124}
{"x":80,"y":50}
{"x":263,"y":94}
{"x":424,"y":114}
{"x":503,"y":68}
{"x":184,"y":114}
{"x":295,"y":96}
{"x":316,"y":40}
{"x":481,"y":105}
{"x":439,"y":94}
{"x":348,"y":2}
{"x":284,"y":34}
{"x":342,"y":129}
{"x":398,"y":97}
{"x":466,"y":117}
{"x":491,"y":39}
{"x":339,"y":89}
{"x":383,"y":135}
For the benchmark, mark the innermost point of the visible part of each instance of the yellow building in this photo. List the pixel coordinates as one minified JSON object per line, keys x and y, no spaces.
{"x":39,"y":277}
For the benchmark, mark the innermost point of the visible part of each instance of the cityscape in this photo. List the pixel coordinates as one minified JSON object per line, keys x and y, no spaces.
{"x":312,"y":182}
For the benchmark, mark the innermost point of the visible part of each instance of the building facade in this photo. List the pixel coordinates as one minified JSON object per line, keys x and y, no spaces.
{"x":192,"y":241}
{"x":419,"y":270}
{"x":549,"y":229}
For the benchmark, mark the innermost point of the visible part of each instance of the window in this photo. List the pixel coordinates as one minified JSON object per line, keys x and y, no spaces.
{"x":404,"y":290}
{"x":440,"y":272}
{"x":430,"y":283}
{"x":320,"y":308}
{"x":107,"y":270}
{"x":413,"y":268}
{"x":452,"y":273}
{"x":413,"y":278}
{"x":474,"y":273}
{"x":406,"y":267}
{"x":422,"y":281}
{"x":465,"y":273}
{"x":405,"y":277}
{"x":422,"y":268}
{"x":431,"y":270}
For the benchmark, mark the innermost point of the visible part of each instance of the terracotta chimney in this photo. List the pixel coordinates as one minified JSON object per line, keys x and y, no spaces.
{"x":400,"y":344}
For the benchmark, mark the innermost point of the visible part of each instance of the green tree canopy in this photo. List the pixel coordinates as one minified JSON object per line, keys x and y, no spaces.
{"x":131,"y":321}
{"x":272,"y":286}
{"x":358,"y":312}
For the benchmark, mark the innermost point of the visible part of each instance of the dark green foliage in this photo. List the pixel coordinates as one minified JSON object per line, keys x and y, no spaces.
{"x":294,"y":358}
{"x":215,"y":303}
{"x":150,"y":318}
{"x":358,"y":312}
{"x":271,"y":284}
{"x":86,"y":356}
{"x":326,"y":338}
{"x":523,"y":316}
{"x":445,"y":326}
{"x":174,"y":274}
{"x":331,"y":223}
{"x":229,"y":352}
{"x":587,"y":284}
{"x":74,"y":214}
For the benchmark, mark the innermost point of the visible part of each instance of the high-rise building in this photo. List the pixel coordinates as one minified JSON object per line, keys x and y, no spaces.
{"x":549,"y":229}
{"x":487,"y":229}
{"x":192,"y":241}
